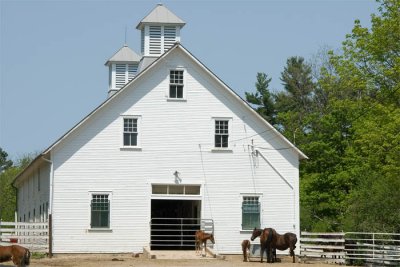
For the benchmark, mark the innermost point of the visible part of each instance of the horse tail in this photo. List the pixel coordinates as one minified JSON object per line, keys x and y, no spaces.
{"x":270,"y":235}
{"x":27,"y":257}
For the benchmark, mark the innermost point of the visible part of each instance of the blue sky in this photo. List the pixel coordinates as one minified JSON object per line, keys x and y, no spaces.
{"x":52,"y":53}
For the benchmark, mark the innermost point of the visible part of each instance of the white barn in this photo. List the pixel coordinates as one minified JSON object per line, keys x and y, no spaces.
{"x":172,"y":143}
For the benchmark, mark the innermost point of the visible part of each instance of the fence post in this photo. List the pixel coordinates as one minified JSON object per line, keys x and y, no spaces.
{"x":50,"y":236}
{"x":373,"y":246}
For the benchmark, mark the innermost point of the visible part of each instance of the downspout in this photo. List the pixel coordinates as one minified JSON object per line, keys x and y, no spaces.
{"x":51,"y":207}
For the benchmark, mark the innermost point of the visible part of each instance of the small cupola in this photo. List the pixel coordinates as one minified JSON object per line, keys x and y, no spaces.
{"x":160,"y":30}
{"x":123,"y":66}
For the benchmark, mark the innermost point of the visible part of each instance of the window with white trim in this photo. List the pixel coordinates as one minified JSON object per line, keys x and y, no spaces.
{"x":250,"y":212}
{"x":176,"y":84}
{"x":130,"y":134}
{"x":221,"y":133}
{"x":100,"y":211}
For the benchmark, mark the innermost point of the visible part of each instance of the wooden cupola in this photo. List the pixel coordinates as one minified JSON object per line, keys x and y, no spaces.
{"x":123,"y":67}
{"x":160,"y":30}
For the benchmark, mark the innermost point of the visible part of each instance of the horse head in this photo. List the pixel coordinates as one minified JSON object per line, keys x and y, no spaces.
{"x":256,"y":233}
{"x":212,"y":238}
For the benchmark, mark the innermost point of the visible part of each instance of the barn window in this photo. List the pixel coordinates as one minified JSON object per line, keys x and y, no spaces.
{"x":100,"y":211}
{"x":250,"y":212}
{"x":176,"y":84}
{"x":130,"y":132}
{"x":221,"y":133}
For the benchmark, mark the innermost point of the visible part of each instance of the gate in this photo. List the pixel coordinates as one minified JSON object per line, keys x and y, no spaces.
{"x":177,"y":233}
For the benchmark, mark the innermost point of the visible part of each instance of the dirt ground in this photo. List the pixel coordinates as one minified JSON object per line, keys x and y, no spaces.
{"x":128,"y":260}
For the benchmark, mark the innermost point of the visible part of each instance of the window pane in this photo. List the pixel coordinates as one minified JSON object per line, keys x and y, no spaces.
{"x":159,"y":189}
{"x":176,"y":189}
{"x":172,"y":91}
{"x":179,"y":91}
{"x":192,"y":190}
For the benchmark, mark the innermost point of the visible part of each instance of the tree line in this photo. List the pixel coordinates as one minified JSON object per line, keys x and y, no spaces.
{"x":343,"y":111}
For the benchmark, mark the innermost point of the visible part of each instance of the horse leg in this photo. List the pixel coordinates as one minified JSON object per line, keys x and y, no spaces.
{"x":269,"y":254}
{"x":292,"y":254}
{"x":262,"y":252}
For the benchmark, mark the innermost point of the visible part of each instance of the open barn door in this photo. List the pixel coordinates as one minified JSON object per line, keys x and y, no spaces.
{"x":174,"y":223}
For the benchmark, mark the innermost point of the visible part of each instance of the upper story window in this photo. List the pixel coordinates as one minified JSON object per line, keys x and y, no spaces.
{"x":176,"y":84}
{"x":131,"y":132}
{"x":221,"y":133}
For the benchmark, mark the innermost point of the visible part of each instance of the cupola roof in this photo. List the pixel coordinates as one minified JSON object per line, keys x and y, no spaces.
{"x":160,"y":15}
{"x":125,"y":54}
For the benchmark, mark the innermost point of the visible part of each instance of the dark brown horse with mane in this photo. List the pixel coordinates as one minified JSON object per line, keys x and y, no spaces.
{"x":281,"y":242}
{"x":201,"y":238}
{"x":19,"y":255}
{"x":266,"y":237}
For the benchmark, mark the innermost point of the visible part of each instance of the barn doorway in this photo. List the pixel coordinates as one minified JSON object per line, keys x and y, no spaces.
{"x":174,"y":223}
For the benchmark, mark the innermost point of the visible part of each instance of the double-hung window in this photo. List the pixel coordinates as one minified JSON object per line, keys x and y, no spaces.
{"x":250,"y":212}
{"x":130,"y":132}
{"x":221,"y":133}
{"x":100,"y":211}
{"x":176,"y":84}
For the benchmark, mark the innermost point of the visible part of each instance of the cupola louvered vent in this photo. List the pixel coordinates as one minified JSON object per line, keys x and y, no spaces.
{"x":132,"y":69}
{"x":169,"y":37}
{"x":120,"y":75}
{"x":155,"y":40}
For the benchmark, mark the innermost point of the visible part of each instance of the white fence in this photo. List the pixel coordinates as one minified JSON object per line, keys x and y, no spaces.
{"x":33,"y":236}
{"x":327,"y":247}
{"x":351,"y":248}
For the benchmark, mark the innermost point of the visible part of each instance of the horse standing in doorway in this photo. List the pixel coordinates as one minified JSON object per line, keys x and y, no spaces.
{"x":201,"y":238}
{"x":19,"y":255}
{"x":266,"y":237}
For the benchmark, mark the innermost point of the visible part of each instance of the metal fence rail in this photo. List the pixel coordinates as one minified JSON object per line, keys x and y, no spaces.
{"x":351,"y":248}
{"x":377,"y":248}
{"x":177,"y":232}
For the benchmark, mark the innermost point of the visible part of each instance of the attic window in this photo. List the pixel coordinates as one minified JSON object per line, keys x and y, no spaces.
{"x":176,"y":84}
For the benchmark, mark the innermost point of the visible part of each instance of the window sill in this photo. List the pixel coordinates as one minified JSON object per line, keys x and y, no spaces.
{"x":128,"y":148}
{"x":246,"y":231}
{"x":222,"y":150}
{"x":176,"y":99}
{"x":100,"y":230}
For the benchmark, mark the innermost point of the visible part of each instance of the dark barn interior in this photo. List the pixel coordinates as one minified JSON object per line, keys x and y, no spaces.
{"x":174,"y":223}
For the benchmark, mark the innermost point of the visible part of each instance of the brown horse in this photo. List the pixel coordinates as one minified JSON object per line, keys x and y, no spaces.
{"x":266,"y":237}
{"x":201,"y":238}
{"x":285,"y":241}
{"x":246,"y":249}
{"x":19,"y":255}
